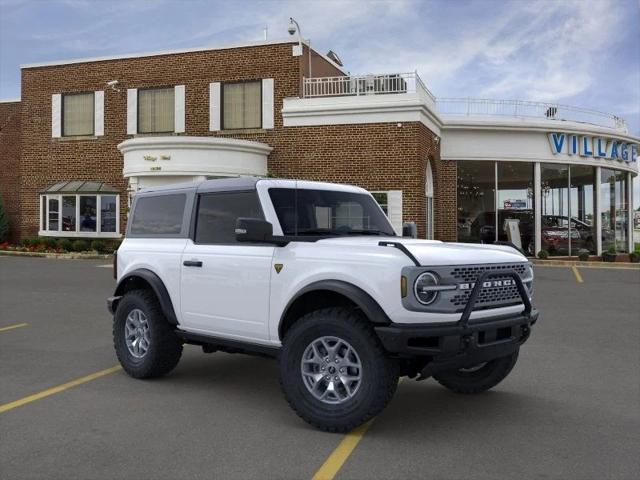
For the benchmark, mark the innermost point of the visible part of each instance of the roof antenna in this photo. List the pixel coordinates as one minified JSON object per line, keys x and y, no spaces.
{"x":266,"y":32}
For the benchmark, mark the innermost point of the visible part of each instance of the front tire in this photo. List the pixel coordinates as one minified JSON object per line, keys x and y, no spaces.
{"x":333,"y":371}
{"x":145,"y":343}
{"x":479,"y":378}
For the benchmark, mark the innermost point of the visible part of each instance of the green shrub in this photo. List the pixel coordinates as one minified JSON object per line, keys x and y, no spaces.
{"x":112,"y":245}
{"x":634,"y":257}
{"x":27,"y":242}
{"x":4,"y":223}
{"x":98,"y":245}
{"x":66,"y":244}
{"x":48,"y":242}
{"x":80,"y":245}
{"x":612,"y":249}
{"x":583,"y":254}
{"x":543,"y":254}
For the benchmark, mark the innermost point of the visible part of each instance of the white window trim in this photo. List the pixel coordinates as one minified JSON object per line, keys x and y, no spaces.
{"x":77,"y":234}
{"x":56,"y":115}
{"x":215,"y":112}
{"x":179,"y":109}
{"x":132,"y":111}
{"x":98,"y":113}
{"x":394,"y":208}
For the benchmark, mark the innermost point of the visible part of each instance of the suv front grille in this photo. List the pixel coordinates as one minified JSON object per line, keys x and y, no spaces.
{"x":489,"y":297}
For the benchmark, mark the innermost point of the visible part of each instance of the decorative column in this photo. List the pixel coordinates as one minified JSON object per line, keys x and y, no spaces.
{"x":537,"y":209}
{"x":598,"y":213}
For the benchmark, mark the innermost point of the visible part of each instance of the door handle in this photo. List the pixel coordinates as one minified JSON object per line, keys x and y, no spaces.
{"x":192,"y":263}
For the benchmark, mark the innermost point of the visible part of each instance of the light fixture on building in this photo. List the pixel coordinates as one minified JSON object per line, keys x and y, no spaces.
{"x":112,"y":85}
{"x":294,"y":28}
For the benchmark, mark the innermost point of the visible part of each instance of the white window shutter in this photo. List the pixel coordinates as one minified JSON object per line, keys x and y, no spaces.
{"x":214,"y":106}
{"x":132,"y":111}
{"x":98,"y":121}
{"x":56,"y":115}
{"x":267,"y":103}
{"x":394,"y":209}
{"x":179,"y":96}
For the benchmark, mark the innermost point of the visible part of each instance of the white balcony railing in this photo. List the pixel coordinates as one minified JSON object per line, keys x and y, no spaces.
{"x":356,"y":85}
{"x":525,"y":109}
{"x":400,"y":83}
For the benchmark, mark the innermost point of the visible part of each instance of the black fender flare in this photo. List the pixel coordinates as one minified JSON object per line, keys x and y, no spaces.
{"x":365,"y":302}
{"x":156,"y":284}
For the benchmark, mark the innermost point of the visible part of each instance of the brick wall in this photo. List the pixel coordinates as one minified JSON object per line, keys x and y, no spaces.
{"x":10,"y":162}
{"x":374,"y":156}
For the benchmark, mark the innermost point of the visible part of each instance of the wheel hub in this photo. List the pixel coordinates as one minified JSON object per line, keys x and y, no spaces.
{"x":331,"y":370}
{"x":136,"y":331}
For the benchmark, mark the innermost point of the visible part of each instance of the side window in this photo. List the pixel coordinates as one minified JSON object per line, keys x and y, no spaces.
{"x":218,"y":212}
{"x":159,"y":215}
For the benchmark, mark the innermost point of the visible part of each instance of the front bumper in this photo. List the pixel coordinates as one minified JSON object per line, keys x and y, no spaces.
{"x":465,"y":343}
{"x":450,"y":346}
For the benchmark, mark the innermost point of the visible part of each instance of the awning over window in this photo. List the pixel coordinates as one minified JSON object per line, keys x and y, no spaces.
{"x":80,"y":186}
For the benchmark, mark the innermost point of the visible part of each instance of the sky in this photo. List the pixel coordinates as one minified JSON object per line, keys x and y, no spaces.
{"x":576,"y":52}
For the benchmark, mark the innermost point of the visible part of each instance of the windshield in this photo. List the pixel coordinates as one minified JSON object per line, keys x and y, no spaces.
{"x":328,"y":212}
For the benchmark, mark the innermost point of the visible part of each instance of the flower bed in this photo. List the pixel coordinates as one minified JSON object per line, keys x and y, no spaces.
{"x":61,"y":245}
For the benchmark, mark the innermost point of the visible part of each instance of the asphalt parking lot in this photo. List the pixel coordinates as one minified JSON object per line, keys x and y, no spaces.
{"x":570,"y":409}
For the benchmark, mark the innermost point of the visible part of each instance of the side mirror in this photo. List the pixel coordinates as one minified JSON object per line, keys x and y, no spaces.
{"x":253,"y":230}
{"x":256,"y":230}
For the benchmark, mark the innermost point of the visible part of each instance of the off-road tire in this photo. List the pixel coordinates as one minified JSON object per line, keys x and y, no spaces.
{"x":487,"y":377}
{"x":379,"y":372}
{"x":165,"y":347}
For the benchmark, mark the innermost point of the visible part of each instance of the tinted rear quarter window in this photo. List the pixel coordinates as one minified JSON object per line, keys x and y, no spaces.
{"x":158,"y":215}
{"x":218,"y":212}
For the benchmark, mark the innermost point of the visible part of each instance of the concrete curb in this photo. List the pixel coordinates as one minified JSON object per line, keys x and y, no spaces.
{"x":61,"y":256}
{"x":577,"y":263}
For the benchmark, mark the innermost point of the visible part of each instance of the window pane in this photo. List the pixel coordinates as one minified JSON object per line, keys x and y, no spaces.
{"x":614,"y":209}
{"x":476,"y":202}
{"x":69,"y":214}
{"x":161,"y":215}
{"x":324,"y":212}
{"x":217,"y":215}
{"x":582,"y":201}
{"x":156,"y":109}
{"x":381,"y":198}
{"x":242,"y":105}
{"x":53,"y":214}
{"x":515,"y":202}
{"x":108,"y":217}
{"x":554,"y":190}
{"x":88,"y":212}
{"x":43,"y":204}
{"x":77,"y":114}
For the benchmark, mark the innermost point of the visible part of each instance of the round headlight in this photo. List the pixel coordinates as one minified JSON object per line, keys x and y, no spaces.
{"x":422,"y":288}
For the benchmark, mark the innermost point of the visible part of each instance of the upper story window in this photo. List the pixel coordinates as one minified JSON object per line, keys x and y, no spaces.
{"x":156,"y":110}
{"x":78,"y":114}
{"x":242,"y":105}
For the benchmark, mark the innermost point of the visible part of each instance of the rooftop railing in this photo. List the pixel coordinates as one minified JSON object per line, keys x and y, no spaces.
{"x":356,"y":85}
{"x":525,"y":109}
{"x":399,"y":83}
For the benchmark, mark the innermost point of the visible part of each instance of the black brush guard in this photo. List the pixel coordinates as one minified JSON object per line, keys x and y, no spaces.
{"x":449,"y":346}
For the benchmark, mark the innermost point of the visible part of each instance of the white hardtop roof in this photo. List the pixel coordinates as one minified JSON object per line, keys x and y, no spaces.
{"x":249,"y":183}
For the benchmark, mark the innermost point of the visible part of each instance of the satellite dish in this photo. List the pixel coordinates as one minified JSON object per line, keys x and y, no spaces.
{"x":334,"y":57}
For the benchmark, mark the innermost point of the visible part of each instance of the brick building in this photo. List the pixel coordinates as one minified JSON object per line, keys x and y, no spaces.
{"x":86,"y":134}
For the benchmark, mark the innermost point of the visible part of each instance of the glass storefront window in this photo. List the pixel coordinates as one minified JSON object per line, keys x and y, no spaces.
{"x":476,"y":201}
{"x":614,"y":209}
{"x":515,"y":202}
{"x":554,"y":191}
{"x":582,"y":208}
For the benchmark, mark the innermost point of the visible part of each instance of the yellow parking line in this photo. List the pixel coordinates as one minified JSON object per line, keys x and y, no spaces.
{"x":333,"y":464}
{"x":576,"y":273}
{"x":11,"y":327}
{"x":60,"y":388}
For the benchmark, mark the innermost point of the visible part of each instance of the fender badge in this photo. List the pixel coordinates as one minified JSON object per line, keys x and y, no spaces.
{"x":278,"y":267}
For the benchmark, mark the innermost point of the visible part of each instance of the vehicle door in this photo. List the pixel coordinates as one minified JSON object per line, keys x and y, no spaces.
{"x":225,"y":284}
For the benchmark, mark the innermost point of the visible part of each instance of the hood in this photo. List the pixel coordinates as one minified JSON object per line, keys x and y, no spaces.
{"x":433,"y":252}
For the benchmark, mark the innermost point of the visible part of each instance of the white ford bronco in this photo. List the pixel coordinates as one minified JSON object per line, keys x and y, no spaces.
{"x":314,"y":275}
